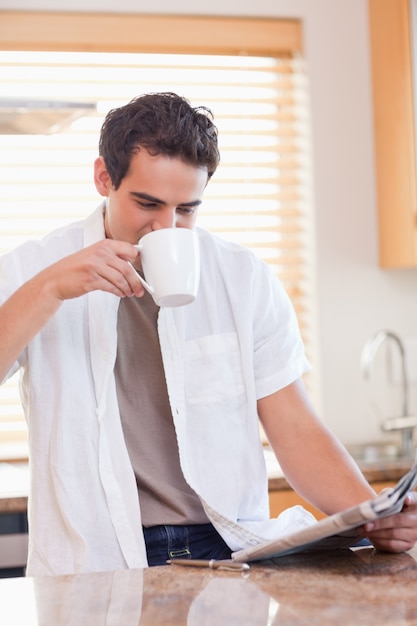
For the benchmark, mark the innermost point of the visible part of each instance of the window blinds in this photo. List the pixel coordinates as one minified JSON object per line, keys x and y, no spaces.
{"x":259,"y":196}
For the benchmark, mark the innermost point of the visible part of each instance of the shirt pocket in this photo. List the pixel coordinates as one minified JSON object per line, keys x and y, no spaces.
{"x":213,"y":370}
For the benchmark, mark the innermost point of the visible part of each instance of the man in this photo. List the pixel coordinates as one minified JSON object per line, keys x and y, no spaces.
{"x":143,"y":423}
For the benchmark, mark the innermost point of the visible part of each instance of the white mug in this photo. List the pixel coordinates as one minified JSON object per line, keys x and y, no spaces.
{"x":170,"y":260}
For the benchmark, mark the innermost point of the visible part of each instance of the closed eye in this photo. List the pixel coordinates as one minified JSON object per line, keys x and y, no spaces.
{"x":186,"y":210}
{"x":148,"y":205}
{"x":145,"y":201}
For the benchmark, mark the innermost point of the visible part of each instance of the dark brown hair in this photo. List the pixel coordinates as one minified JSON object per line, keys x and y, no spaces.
{"x":162,"y":123}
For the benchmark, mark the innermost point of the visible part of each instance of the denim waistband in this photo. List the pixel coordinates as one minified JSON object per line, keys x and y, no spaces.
{"x":192,"y":541}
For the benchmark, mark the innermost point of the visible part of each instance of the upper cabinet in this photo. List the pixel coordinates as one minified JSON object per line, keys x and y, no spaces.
{"x":395,"y":138}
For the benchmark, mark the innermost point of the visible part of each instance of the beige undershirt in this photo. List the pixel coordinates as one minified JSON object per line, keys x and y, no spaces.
{"x":165,"y":497}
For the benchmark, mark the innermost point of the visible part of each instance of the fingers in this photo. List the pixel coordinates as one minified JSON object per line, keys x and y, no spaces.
{"x":391,"y":541}
{"x":411,"y":499}
{"x":121,"y":280}
{"x":396,"y":533}
{"x":104,"y":266}
{"x":128,"y":281}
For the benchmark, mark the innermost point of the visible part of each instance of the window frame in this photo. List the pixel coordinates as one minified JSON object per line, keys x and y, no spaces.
{"x":140,"y":33}
{"x":180,"y":34}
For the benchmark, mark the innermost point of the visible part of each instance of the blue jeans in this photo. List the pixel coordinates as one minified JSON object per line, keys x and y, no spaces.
{"x":195,"y":541}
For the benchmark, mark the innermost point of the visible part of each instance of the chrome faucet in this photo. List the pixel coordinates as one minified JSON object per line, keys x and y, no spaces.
{"x":406,"y":422}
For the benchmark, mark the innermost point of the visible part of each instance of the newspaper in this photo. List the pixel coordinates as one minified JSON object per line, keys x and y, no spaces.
{"x":336,"y":531}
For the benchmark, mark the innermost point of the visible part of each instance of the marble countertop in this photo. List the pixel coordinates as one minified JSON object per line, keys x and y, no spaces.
{"x":353,"y":588}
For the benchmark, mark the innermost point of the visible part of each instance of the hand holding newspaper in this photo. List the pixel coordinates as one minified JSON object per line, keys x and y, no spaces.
{"x":338,"y":530}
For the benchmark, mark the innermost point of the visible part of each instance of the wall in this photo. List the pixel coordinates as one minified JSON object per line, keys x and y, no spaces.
{"x":355,"y":297}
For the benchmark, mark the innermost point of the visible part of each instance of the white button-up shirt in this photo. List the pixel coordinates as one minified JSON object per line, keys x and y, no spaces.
{"x":238,"y":342}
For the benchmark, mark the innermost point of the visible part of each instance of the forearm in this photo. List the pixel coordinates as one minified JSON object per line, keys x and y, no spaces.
{"x":324,"y":474}
{"x":316,"y":465}
{"x":101,"y":266}
{"x":22,"y":316}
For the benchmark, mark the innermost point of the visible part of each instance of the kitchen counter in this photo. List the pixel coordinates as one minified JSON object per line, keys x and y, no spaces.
{"x":353,"y":588}
{"x":390,"y":471}
{"x":383,"y":471}
{"x":14,"y":487}
{"x":14,"y":479}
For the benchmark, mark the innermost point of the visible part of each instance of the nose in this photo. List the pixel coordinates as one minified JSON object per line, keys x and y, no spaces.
{"x":167,"y":218}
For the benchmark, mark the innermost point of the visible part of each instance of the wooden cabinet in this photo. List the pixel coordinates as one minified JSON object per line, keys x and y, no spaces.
{"x":281,"y":499}
{"x":285,"y":498}
{"x":394,"y":122}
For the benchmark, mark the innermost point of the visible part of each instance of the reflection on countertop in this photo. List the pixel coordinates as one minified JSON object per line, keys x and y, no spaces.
{"x":353,"y":588}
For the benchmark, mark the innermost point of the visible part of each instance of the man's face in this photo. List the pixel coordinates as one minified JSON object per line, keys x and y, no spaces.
{"x":157,"y":192}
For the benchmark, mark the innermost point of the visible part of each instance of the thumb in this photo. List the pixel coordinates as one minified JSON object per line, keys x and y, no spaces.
{"x":411,"y":499}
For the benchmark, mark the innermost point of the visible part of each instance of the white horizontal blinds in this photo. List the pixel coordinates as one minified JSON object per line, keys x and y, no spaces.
{"x":258,"y":196}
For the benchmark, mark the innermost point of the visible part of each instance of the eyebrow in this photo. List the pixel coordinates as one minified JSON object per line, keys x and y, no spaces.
{"x":145,"y":196}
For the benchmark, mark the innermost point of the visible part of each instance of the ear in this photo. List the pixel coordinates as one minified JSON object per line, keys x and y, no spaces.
{"x":102,"y":178}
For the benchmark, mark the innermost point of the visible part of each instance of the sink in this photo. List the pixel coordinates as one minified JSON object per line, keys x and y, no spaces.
{"x":378,"y":452}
